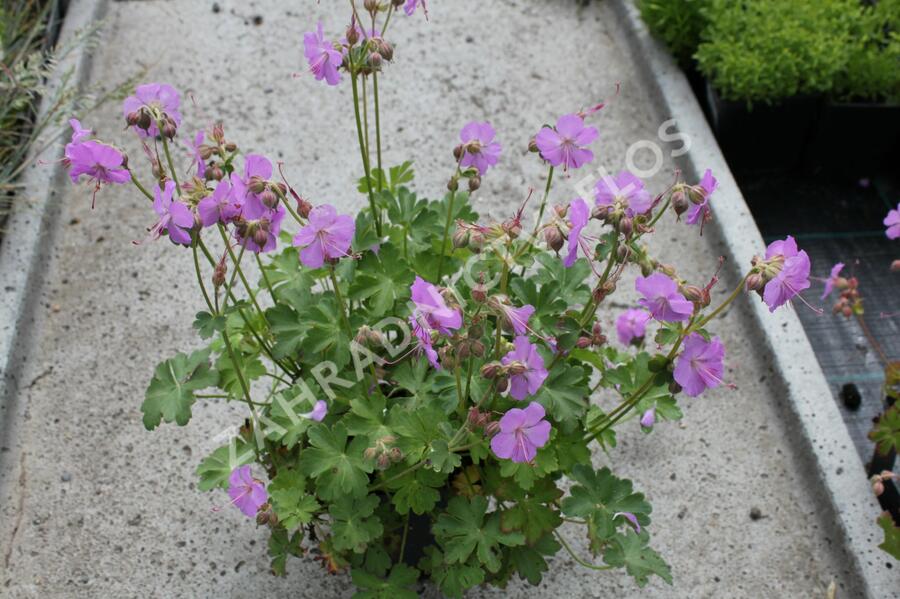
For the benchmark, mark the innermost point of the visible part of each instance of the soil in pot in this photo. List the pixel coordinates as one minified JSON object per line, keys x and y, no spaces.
{"x":764,"y":138}
{"x":855,"y":139}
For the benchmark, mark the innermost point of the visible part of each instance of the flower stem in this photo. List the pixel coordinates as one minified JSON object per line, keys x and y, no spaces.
{"x":584,"y":563}
{"x":403,"y":538}
{"x":737,"y":291}
{"x":137,"y":184}
{"x":238,"y":268}
{"x":340,"y":299}
{"x":199,"y":274}
{"x":376,"y":216}
{"x":265,"y":276}
{"x":446,"y":234}
{"x":378,"y":121}
{"x":544,"y":201}
{"x":170,"y":163}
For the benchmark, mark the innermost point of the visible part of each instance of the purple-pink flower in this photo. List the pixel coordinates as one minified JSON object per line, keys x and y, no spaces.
{"x":246,"y":492}
{"x":529,"y":373}
{"x":579,"y":214}
{"x":522,"y":433}
{"x":218,"y":207}
{"x":259,"y":225}
{"x":648,"y":419}
{"x":701,"y":213}
{"x":319,"y":411}
{"x":517,"y":318}
{"x":662,"y":298}
{"x":566,"y":144}
{"x":324,"y":60}
{"x":256,"y":168}
{"x":700,"y":364}
{"x":160,"y":98}
{"x":411,"y":5}
{"x":431,"y":311}
{"x":195,"y":152}
{"x":327,"y":236}
{"x":624,"y":189}
{"x":832,"y":279}
{"x":175,"y":218}
{"x":100,"y":162}
{"x":425,"y":345}
{"x":892,"y":222}
{"x":793,"y":272}
{"x":632,"y":325}
{"x":479,"y":148}
{"x":79,"y":133}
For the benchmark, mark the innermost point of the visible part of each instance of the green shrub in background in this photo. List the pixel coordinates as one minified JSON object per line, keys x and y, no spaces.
{"x":873,"y":56}
{"x":678,"y":23}
{"x":769,"y":50}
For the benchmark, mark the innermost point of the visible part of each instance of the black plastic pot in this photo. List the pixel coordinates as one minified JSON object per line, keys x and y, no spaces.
{"x":855,"y":139}
{"x":890,"y":498}
{"x":418,"y":539}
{"x":766,"y":138}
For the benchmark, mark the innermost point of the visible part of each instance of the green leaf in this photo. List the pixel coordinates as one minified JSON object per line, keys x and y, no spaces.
{"x":886,"y":433}
{"x":384,"y":282}
{"x":338,"y":469}
{"x":395,"y":176}
{"x":534,"y":516}
{"x":630,"y":551}
{"x":395,"y":587}
{"x":529,"y":560}
{"x":170,"y":394}
{"x":326,"y":338}
{"x":565,"y":283}
{"x":418,"y":491}
{"x":215,"y":469}
{"x":598,"y":497}
{"x":250,"y":366}
{"x":548,"y":305}
{"x":465,"y":529}
{"x":354,"y":523}
{"x":281,"y":545}
{"x":525,"y":474}
{"x":441,"y":459}
{"x":208,"y":325}
{"x":288,"y":328}
{"x":367,"y":417}
{"x":293,"y":506}
{"x":416,"y":430}
{"x":564,"y":394}
{"x":287,"y":423}
{"x":891,"y":542}
{"x":452,"y":579}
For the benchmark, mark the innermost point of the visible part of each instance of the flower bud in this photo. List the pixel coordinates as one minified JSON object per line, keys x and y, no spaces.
{"x":648,"y":419}
{"x":268,"y":198}
{"x":561,"y":210}
{"x":385,"y":49}
{"x":516,"y":367}
{"x":502,"y":385}
{"x":169,"y":128}
{"x":375,"y":60}
{"x":476,"y":241}
{"x":460,"y":237}
{"x":491,"y":370}
{"x":513,"y":228}
{"x":132,"y":118}
{"x":622,"y":252}
{"x":674,"y":388}
{"x":383,"y":462}
{"x":145,"y":119}
{"x":626,"y":226}
{"x":260,"y":237}
{"x":679,"y":202}
{"x":554,"y":238}
{"x":219,"y":272}
{"x":370,"y":453}
{"x":532,"y":146}
{"x":396,"y":454}
{"x":370,"y":5}
{"x":458,"y":152}
{"x":583,"y":342}
{"x":474,"y":183}
{"x":453,"y":183}
{"x":477,"y":348}
{"x":257,"y":184}
{"x":218,"y":133}
{"x":755,"y":282}
{"x":493,"y":427}
{"x":303,"y":208}
{"x":600,"y":212}
{"x":895,"y":266}
{"x":206,"y":152}
{"x":877,"y":487}
{"x":479,"y":293}
{"x":695,"y":294}
{"x":230,"y":146}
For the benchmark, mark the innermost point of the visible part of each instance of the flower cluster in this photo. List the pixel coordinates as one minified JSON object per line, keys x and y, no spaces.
{"x":390,"y":369}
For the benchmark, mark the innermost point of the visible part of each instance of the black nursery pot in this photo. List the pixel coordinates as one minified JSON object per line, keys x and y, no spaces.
{"x":766,"y":138}
{"x":418,"y":539}
{"x":854,"y":138}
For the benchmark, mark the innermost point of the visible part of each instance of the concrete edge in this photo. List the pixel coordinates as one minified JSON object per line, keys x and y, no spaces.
{"x":29,"y":233}
{"x":823,"y":437}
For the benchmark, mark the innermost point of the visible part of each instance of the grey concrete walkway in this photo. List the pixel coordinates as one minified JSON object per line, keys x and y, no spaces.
{"x":95,"y":506}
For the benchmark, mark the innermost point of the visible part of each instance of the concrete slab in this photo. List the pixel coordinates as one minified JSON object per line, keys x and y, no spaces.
{"x":94,"y":506}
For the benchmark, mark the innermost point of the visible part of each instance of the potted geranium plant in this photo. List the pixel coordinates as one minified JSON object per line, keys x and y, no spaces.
{"x":411,"y":375}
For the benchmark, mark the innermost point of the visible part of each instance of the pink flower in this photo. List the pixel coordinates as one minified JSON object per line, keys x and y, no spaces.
{"x":892,"y":222}
{"x":219,"y":207}
{"x":318,"y":413}
{"x":531,"y":374}
{"x":410,"y":7}
{"x":479,"y":148}
{"x":662,"y":299}
{"x":624,"y":191}
{"x":701,"y":213}
{"x":793,"y":272}
{"x":700,"y":365}
{"x":425,"y":346}
{"x":648,"y":419}
{"x":327,"y":236}
{"x":566,"y":145}
{"x":431,"y":311}
{"x":175,"y":218}
{"x":198,"y":158}
{"x":579,"y":214}
{"x":258,"y":226}
{"x":246,"y":492}
{"x":78,"y":132}
{"x":517,"y":318}
{"x":832,"y":279}
{"x":100,"y":162}
{"x":522,"y":433}
{"x":324,"y":60}
{"x":256,"y":169}
{"x":160,"y":98}
{"x":632,"y":325}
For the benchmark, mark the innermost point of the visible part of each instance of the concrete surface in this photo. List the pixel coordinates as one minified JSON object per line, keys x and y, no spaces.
{"x":95,"y":506}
